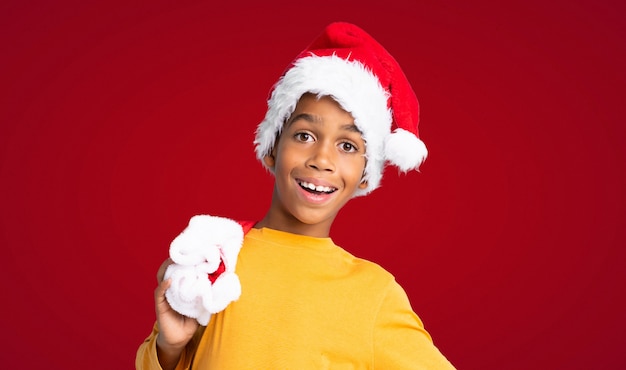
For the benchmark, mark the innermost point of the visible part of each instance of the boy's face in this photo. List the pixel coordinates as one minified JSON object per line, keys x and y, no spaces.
{"x":318,"y":162}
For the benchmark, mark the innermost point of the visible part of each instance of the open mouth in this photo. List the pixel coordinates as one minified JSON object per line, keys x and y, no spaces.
{"x":319,"y":189}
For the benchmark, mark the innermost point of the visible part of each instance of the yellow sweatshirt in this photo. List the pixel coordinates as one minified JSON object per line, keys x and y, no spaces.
{"x":308,"y":304}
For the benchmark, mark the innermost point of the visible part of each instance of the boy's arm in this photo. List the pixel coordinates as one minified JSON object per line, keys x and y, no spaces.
{"x":174,"y":337}
{"x":400,"y":340}
{"x":148,"y":357}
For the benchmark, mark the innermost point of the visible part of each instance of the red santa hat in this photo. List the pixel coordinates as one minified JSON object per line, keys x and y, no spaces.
{"x":350,"y":66}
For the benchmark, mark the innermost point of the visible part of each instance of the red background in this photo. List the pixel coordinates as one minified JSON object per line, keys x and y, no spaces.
{"x":121,"y":121}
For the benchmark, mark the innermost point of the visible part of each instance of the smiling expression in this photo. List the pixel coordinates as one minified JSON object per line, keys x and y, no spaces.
{"x":318,"y":162}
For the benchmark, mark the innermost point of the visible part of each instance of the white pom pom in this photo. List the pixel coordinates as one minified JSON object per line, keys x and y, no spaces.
{"x":405,"y":150}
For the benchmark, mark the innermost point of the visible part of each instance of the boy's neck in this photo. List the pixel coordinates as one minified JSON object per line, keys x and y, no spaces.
{"x":293,"y":225}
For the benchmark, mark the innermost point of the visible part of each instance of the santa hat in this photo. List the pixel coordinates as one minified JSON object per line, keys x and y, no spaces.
{"x":350,"y":66}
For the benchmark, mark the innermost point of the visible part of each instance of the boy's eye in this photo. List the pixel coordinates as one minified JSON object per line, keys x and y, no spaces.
{"x":348,"y":147}
{"x":303,"y":136}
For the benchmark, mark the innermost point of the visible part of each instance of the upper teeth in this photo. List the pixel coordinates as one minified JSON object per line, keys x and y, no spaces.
{"x":319,"y":188}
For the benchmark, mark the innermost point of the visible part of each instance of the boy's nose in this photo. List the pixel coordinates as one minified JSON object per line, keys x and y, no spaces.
{"x":322,"y":158}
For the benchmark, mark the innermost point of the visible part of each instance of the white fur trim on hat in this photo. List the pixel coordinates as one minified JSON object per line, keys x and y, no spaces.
{"x":352,"y":85}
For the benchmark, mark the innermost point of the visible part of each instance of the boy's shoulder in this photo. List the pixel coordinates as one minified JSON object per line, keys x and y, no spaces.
{"x":368,"y":271}
{"x":370,"y":265}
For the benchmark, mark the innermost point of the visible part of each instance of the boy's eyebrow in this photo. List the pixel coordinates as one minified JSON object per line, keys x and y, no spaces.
{"x":305,"y":116}
{"x":351,"y":127}
{"x":316,"y":119}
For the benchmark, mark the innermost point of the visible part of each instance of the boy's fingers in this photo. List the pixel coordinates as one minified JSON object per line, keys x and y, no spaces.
{"x":162,"y":269}
{"x":159,"y":292}
{"x":161,"y":304}
{"x":166,"y":284}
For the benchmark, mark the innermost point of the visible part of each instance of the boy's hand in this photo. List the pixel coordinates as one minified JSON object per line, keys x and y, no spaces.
{"x":175,"y":330}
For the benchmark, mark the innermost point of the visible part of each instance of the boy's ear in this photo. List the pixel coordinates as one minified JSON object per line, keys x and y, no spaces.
{"x":364,"y":182}
{"x":270,"y":159}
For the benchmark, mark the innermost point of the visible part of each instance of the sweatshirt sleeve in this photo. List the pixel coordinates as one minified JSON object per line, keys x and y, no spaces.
{"x":400,"y":340}
{"x":147,"y":358}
